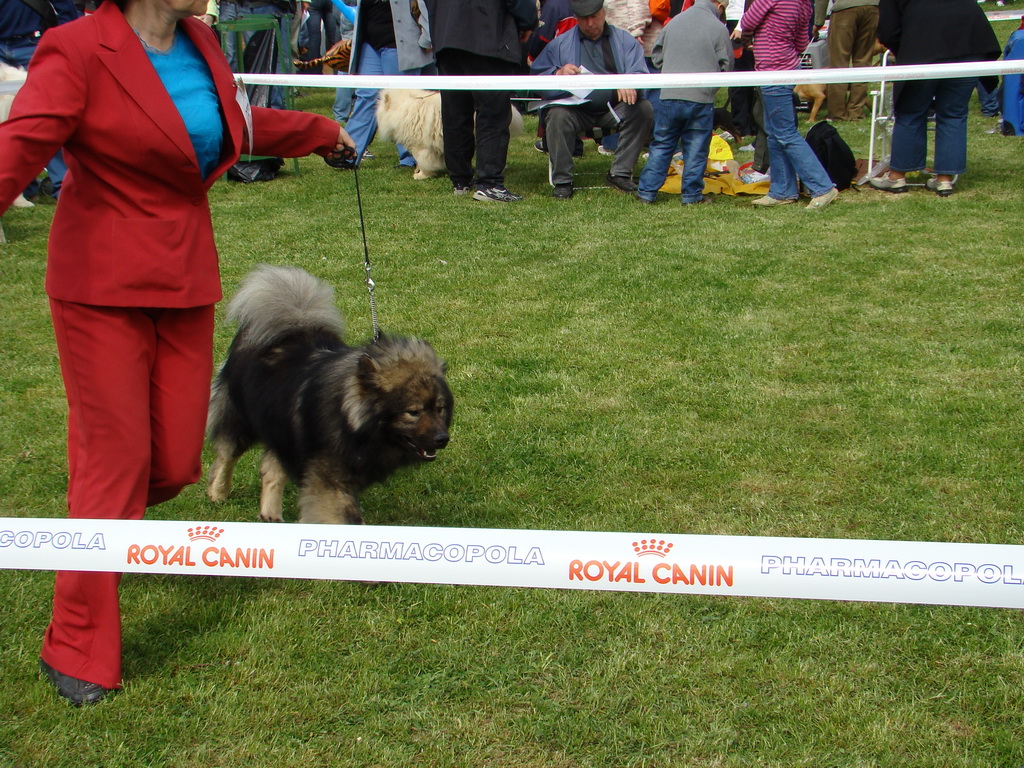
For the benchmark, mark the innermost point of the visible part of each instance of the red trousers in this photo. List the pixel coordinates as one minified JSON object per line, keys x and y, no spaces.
{"x":138,"y":388}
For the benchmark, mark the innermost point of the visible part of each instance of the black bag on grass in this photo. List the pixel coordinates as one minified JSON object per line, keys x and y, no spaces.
{"x":264,"y":169}
{"x":833,"y":153}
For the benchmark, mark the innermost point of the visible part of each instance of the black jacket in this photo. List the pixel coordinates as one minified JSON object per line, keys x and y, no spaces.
{"x":484,"y":27}
{"x":936,"y":31}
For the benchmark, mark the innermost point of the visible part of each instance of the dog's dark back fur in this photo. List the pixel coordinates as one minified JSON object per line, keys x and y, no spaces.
{"x":351,"y":415}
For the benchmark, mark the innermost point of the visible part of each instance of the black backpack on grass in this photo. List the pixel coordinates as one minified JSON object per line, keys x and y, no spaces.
{"x":834,"y":153}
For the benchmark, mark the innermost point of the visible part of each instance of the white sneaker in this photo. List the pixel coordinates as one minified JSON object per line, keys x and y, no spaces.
{"x":887,"y":184}
{"x":941,"y":188}
{"x":822,"y":200}
{"x":767,"y":202}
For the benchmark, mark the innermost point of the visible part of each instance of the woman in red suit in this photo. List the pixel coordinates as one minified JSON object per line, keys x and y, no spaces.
{"x":146,"y":108}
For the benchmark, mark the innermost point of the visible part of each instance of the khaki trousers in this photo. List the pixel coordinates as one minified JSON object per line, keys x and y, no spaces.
{"x":851,"y":40}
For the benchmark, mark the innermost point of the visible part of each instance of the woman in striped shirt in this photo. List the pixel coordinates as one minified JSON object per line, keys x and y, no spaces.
{"x":781,"y":30}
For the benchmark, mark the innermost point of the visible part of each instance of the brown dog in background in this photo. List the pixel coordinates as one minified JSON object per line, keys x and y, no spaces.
{"x":815,"y":93}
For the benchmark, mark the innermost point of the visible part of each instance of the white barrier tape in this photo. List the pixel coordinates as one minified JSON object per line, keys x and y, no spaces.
{"x":1004,"y":15}
{"x":990,"y":575}
{"x":663,"y":80}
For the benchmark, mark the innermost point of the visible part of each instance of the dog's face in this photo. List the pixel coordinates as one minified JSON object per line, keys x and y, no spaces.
{"x":412,"y":398}
{"x":420,"y":418}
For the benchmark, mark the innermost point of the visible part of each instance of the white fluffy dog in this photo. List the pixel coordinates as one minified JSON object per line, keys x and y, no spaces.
{"x":413,"y":118}
{"x":12,"y":75}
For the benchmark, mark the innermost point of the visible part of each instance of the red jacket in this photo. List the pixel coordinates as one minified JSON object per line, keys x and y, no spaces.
{"x":132,"y":225}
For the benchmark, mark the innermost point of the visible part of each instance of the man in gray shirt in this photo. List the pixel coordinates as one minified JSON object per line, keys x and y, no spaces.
{"x":598,"y":48}
{"x":694,"y":41}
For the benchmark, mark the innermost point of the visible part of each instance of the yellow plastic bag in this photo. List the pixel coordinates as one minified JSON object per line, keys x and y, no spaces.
{"x":721,"y":176}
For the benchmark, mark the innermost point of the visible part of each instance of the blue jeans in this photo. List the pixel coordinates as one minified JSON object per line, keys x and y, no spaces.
{"x":321,"y":13}
{"x":18,"y":53}
{"x":679,"y":122}
{"x":910,"y":130}
{"x":343,"y":96}
{"x":990,"y":106}
{"x":342,"y":108}
{"x":362,"y":125}
{"x":792,"y":160}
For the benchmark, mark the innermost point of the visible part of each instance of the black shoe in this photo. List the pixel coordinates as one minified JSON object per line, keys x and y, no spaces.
{"x":46,"y":188}
{"x":703,"y":199}
{"x":621,"y":183}
{"x":562,"y":191}
{"x":78,"y":692}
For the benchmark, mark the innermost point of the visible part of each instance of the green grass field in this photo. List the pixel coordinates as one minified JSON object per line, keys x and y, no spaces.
{"x":853,"y":372}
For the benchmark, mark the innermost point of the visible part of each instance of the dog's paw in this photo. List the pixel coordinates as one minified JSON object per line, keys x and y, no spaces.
{"x":215,"y":495}
{"x":218,"y":485}
{"x":420,"y":173}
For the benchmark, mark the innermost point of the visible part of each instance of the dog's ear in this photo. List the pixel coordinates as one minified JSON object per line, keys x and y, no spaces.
{"x":368,"y":369}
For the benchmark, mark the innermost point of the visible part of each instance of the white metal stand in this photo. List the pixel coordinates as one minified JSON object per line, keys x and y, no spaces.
{"x":881,"y":128}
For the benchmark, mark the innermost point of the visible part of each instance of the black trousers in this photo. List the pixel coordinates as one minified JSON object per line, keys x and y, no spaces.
{"x":742,"y":99}
{"x":475,"y":122}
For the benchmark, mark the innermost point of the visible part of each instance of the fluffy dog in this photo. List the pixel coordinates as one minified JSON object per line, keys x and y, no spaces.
{"x":413,"y":118}
{"x":9,"y":74}
{"x":333,"y":419}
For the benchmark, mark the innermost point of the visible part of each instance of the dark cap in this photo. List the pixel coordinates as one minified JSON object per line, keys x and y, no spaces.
{"x":584,"y":8}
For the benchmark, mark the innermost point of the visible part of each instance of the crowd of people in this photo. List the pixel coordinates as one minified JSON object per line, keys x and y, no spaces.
{"x":569,"y":37}
{"x":410,"y":37}
{"x":141,"y":104}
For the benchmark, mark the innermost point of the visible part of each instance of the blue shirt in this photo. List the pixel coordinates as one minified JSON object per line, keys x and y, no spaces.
{"x":189,"y":83}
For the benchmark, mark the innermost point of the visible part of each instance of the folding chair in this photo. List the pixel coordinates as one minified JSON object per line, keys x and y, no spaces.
{"x":262,"y":23}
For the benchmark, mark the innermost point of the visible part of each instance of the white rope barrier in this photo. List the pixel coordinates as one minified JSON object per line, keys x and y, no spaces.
{"x":988,"y":575}
{"x":663,"y":80}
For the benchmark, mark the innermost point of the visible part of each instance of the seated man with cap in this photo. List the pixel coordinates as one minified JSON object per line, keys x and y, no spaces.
{"x":594,"y":47}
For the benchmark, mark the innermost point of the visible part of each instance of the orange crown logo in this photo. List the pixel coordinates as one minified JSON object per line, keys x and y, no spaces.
{"x":205,"y":533}
{"x":656,"y":547}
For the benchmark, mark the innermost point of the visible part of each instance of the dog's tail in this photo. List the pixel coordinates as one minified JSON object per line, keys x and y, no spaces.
{"x":274,"y":302}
